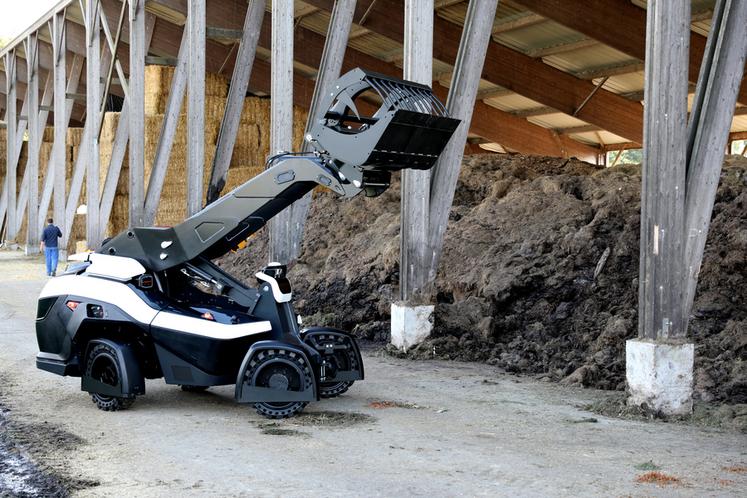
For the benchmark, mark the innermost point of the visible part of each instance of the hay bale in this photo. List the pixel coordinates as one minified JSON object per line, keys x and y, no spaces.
{"x":109,"y":127}
{"x":81,"y":246}
{"x":48,"y":134}
{"x":74,"y":136}
{"x":216,"y":85}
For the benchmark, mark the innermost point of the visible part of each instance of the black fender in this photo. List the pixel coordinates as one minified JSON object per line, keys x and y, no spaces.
{"x":251,"y":394}
{"x":359,"y":374}
{"x":131,"y":379}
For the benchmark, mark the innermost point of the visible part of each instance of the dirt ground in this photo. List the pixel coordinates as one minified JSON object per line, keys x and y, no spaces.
{"x":539,"y":273}
{"x":422,"y":428}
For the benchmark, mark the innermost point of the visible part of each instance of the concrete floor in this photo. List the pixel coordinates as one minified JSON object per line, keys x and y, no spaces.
{"x":412,"y":428}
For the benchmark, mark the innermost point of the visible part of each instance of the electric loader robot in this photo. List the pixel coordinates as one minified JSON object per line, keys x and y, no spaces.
{"x":150,"y":303}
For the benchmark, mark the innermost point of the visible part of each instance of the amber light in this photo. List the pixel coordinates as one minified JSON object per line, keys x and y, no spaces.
{"x":72,"y":305}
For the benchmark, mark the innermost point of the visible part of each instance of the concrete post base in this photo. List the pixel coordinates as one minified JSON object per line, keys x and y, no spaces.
{"x":660,"y":375}
{"x":410,"y":324}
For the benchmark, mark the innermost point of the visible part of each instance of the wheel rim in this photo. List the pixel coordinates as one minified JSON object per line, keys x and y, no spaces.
{"x":104,"y":369}
{"x":282,"y":375}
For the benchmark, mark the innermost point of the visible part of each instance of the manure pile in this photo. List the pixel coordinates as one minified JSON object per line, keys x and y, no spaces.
{"x":522,"y":284}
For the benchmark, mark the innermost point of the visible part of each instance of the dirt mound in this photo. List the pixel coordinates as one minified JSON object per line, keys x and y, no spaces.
{"x":539,"y":273}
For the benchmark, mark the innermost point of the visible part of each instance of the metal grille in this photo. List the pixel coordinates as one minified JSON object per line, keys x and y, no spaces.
{"x":398,"y":95}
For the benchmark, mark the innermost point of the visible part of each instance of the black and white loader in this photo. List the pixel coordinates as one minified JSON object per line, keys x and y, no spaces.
{"x":150,"y":303}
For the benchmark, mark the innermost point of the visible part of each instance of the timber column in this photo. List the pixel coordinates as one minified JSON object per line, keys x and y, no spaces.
{"x":412,"y":317}
{"x":659,"y":363}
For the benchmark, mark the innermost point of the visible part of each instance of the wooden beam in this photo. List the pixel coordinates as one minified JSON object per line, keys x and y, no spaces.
{"x":415,"y":253}
{"x":136,"y":113}
{"x":710,"y":120}
{"x":35,"y":138}
{"x":242,"y":72}
{"x":664,"y":158}
{"x":168,"y":130}
{"x":55,"y":180}
{"x":195,"y":105}
{"x":34,"y":148}
{"x":619,"y":24}
{"x":460,"y":104}
{"x":610,"y":70}
{"x":281,"y":114}
{"x":11,"y":223}
{"x":93,"y":107}
{"x":330,"y":66}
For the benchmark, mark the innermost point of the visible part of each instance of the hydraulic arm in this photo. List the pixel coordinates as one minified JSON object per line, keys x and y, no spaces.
{"x":353,"y":152}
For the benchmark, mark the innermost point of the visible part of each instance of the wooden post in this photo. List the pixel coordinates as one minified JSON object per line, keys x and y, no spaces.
{"x":711,"y":117}
{"x":35,"y":146}
{"x":119,"y":147}
{"x":11,"y":157}
{"x":168,"y":130}
{"x":460,"y":104}
{"x":136,"y":112}
{"x":57,"y":160}
{"x":242,"y":71}
{"x":32,"y":164}
{"x":415,"y":251}
{"x":329,"y":70}
{"x":93,"y":107}
{"x":196,"y":105}
{"x":662,"y":192}
{"x":52,"y":180}
{"x":281,"y":113}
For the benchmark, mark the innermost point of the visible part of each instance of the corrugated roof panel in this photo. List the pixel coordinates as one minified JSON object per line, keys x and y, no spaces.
{"x":587,"y":58}
{"x":594,"y":136}
{"x":556,"y":120}
{"x":536,"y":36}
{"x":512,"y":102}
{"x":739,"y":123}
{"x":456,"y":13}
{"x":625,"y":83}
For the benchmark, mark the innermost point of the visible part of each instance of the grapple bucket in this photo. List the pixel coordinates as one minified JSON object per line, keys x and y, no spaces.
{"x":382,"y":123}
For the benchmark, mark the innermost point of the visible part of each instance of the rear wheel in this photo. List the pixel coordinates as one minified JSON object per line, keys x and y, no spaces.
{"x":338,"y":355}
{"x":102,"y":365}
{"x":282,"y":370}
{"x":334,"y":389}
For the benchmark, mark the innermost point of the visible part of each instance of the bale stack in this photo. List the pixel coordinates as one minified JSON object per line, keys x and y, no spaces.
{"x":253,"y":140}
{"x":172,"y":207}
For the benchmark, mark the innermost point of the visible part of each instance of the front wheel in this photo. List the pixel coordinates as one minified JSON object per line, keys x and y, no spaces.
{"x":102,"y":365}
{"x":282,"y":370}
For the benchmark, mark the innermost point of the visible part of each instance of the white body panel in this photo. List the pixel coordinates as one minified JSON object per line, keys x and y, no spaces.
{"x":101,"y":289}
{"x":208,"y":328}
{"x":128,"y":301}
{"x":116,"y":267}
{"x":277,"y":294}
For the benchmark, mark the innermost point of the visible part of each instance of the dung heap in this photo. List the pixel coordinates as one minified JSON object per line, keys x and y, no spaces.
{"x":524,"y":283}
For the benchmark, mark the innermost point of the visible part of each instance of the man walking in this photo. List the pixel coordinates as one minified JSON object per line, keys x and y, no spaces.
{"x":49,"y":245}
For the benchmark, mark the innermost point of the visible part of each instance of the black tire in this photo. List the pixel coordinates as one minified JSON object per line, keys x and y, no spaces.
{"x":334,"y":389}
{"x":279,"y":367}
{"x":194,"y":389}
{"x":340,"y":359}
{"x":102,"y":365}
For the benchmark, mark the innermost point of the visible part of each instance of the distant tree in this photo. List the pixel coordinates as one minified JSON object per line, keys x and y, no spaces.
{"x":629,"y":156}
